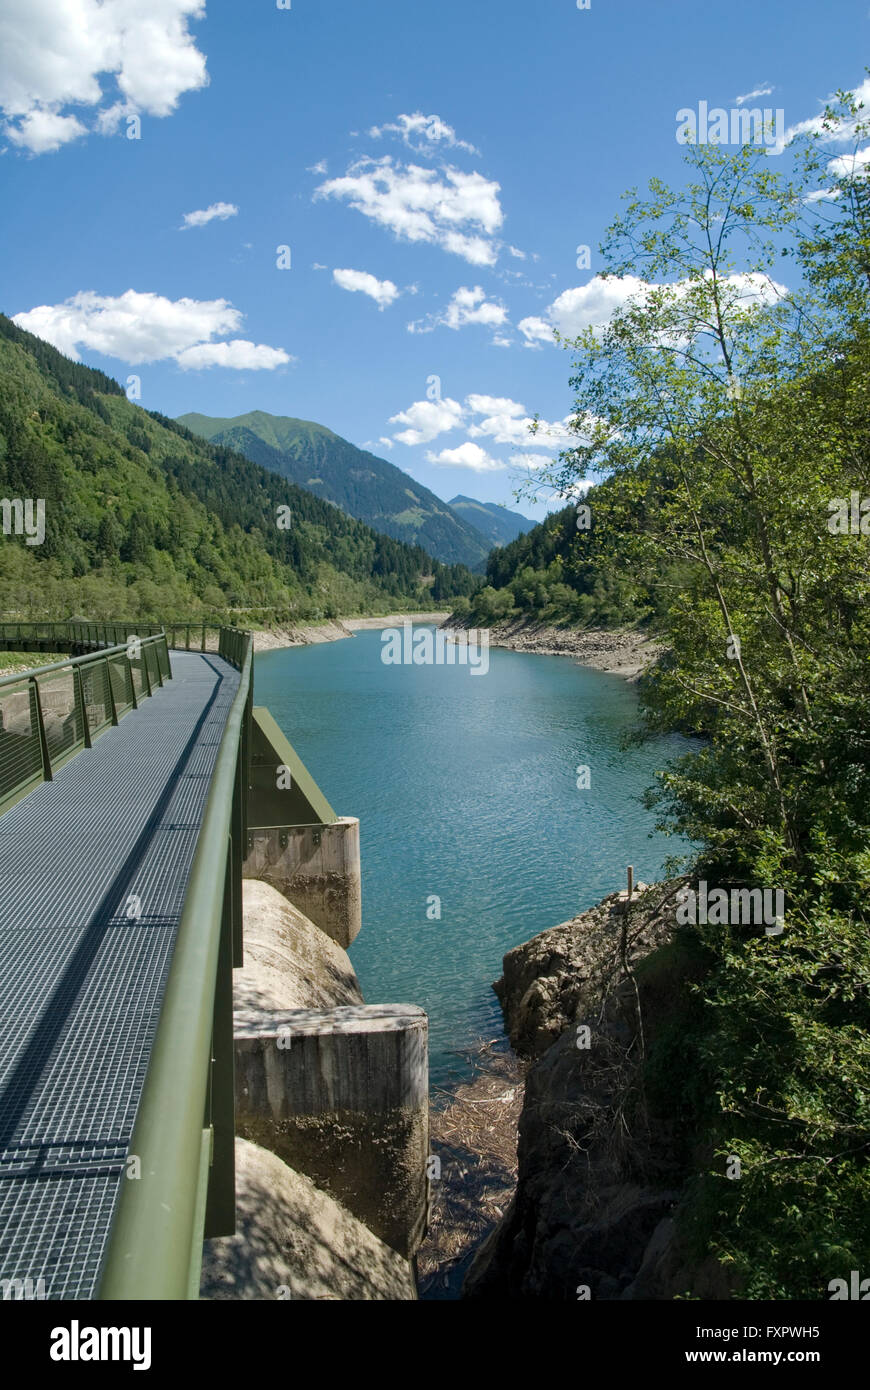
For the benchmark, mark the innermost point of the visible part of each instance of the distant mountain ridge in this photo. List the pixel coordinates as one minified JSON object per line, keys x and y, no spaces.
{"x":364,"y":486}
{"x":498,"y":524}
{"x":142,"y":518}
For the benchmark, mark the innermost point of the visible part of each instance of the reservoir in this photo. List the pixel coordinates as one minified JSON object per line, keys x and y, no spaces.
{"x":466,"y":788}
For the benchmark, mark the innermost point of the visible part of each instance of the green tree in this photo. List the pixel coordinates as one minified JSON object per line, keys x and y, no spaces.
{"x":725,"y":411}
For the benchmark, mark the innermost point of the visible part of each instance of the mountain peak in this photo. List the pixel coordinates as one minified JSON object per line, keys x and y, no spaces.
{"x":363,"y":485}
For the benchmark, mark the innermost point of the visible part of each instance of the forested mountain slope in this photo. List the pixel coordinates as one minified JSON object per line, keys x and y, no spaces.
{"x":499,"y":524}
{"x":144,"y":518}
{"x":364,"y":486}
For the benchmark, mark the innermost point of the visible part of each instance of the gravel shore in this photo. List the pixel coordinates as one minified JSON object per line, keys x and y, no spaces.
{"x":622,"y":652}
{"x":334,"y":629}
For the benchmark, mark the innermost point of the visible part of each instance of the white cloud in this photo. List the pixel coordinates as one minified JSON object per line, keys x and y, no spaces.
{"x":472,"y":306}
{"x":217,"y":210}
{"x":586,"y":306}
{"x":496,"y":419}
{"x":536,"y":331}
{"x":467,"y":455}
{"x":457,"y":211}
{"x":507,"y":422}
{"x":383,"y":292}
{"x":465,"y":306}
{"x":385,"y":442}
{"x":426,"y":420}
{"x":41,"y":131}
{"x":58,"y":53}
{"x":144,"y":327}
{"x":319,"y":168}
{"x":515,"y":251}
{"x":749,"y":290}
{"x":592,"y":305}
{"x":474,"y":249}
{"x":838,"y":135}
{"x":845,"y":166}
{"x":238,"y":353}
{"x":494,"y":405}
{"x":750,"y":96}
{"x":418,"y":130}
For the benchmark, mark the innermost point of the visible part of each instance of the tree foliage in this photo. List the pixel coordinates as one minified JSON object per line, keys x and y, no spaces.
{"x":726,"y":418}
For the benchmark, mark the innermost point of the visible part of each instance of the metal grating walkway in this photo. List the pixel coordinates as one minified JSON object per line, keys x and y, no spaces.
{"x":81,"y":982}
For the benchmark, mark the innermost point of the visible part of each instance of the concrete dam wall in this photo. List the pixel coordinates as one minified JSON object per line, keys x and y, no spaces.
{"x":331,"y":1101}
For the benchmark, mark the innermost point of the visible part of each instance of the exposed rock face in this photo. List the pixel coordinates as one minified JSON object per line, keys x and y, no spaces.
{"x":293,"y":1241}
{"x":289,"y":963}
{"x":599,"y":1172}
{"x":334,"y":630}
{"x":562,"y":975}
{"x":619,"y":651}
{"x":303,"y":636}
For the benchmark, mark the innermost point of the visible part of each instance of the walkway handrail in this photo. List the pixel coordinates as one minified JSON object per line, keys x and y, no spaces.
{"x":183,"y":634}
{"x":77,"y":633}
{"x":37,"y":736}
{"x":184,"y":1122}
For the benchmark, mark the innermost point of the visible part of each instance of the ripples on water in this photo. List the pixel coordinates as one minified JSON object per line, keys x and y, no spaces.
{"x":466,"y":788}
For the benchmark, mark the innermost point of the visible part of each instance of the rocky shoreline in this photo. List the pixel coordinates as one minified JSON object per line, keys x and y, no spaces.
{"x":601,"y":1167}
{"x":621,"y":652}
{"x":334,"y":629}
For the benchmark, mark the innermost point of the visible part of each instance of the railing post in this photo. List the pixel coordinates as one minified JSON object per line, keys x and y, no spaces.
{"x":112,"y":706}
{"x":79,"y":688}
{"x":133,"y":701}
{"x":36,"y":716}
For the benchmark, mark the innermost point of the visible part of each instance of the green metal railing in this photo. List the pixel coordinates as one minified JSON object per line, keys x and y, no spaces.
{"x":195,"y":637}
{"x":24,"y":636}
{"x":184,"y":1134}
{"x":49,"y":714}
{"x":188,"y":635}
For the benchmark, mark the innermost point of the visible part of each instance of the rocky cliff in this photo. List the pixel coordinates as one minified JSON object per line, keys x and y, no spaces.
{"x":602,"y":1160}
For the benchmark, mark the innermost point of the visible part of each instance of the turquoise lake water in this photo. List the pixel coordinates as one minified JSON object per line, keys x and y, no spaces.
{"x":466,"y":790}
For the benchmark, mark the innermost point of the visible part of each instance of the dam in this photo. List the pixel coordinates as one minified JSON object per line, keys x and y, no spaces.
{"x":139,"y":786}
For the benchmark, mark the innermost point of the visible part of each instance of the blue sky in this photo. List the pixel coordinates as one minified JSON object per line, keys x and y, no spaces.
{"x":506,"y":133}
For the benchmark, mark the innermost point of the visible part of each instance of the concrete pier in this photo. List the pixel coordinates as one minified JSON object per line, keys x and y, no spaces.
{"x":341,"y":1095}
{"x":317,"y":867}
